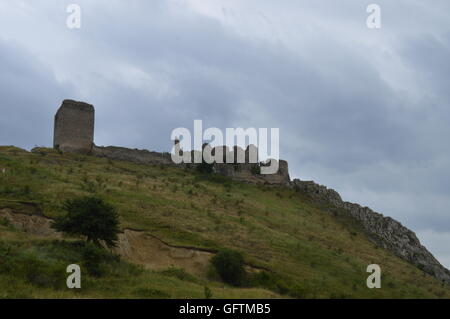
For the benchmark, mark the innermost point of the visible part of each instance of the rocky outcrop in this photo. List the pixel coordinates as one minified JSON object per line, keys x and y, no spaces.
{"x":385,"y":231}
{"x":318,"y":192}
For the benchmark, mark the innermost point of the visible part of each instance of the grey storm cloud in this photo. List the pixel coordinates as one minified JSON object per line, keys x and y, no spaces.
{"x":28,"y":92}
{"x":363,"y":111}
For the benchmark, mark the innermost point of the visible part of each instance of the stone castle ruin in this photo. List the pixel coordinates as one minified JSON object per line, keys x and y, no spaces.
{"x":74,"y":127}
{"x":74,"y":133}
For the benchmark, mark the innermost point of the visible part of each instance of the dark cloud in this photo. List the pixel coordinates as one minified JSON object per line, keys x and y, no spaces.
{"x":29,"y":94}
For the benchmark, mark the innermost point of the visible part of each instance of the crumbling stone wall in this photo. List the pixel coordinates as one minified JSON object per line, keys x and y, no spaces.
{"x":132,"y":155}
{"x":279,"y":178}
{"x":245,"y":172}
{"x":246,"y":166}
{"x":74,"y":127}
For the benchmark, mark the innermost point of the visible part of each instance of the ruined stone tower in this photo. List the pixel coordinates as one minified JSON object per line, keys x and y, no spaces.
{"x":74,"y":127}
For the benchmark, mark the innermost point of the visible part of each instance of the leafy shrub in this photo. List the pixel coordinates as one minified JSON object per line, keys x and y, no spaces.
{"x":90,"y":217}
{"x":92,"y":258}
{"x":229,"y":264}
{"x":269,"y":281}
{"x":208,"y":293}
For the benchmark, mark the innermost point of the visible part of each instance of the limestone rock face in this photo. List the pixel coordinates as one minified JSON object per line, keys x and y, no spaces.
{"x":385,"y":231}
{"x":317,"y":191}
{"x":74,"y":127}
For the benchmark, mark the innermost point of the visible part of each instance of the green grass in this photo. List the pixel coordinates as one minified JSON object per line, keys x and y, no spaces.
{"x":37,"y":269}
{"x":310,"y":252}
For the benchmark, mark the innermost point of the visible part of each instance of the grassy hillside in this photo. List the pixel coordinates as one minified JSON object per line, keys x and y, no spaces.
{"x":308,"y":250}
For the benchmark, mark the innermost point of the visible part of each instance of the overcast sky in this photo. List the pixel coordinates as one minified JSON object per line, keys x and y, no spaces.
{"x":364,"y":111}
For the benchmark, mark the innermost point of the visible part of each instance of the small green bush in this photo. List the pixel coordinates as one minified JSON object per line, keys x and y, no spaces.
{"x":208,"y":293}
{"x":229,"y":264}
{"x":92,"y":258}
{"x":270,"y":281}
